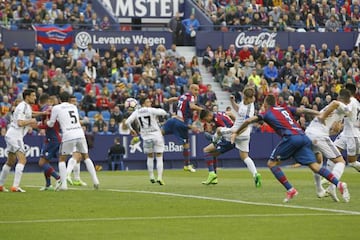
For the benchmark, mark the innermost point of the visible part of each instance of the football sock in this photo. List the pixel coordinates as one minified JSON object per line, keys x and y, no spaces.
{"x":330,"y":165}
{"x":328,"y":175}
{"x":250,"y":165}
{"x":280,"y":176}
{"x":63,"y":174}
{"x":70,"y":166}
{"x":76,"y":171}
{"x":19,"y":168}
{"x":317,"y":179}
{"x":215,"y":164}
{"x":160,"y":166}
{"x":338,"y":170}
{"x":91,"y":169}
{"x":50,"y":171}
{"x":150,"y":166}
{"x":186,"y":154}
{"x":4,"y":173}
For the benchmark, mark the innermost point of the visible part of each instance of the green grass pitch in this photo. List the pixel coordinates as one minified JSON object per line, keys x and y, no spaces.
{"x":128,"y":206}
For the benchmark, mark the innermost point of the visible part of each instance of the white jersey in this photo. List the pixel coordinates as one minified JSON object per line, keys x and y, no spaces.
{"x":244,"y":112}
{"x":318,"y":129}
{"x":22,"y":111}
{"x":351,"y":122}
{"x":147,"y":118}
{"x":68,"y":117}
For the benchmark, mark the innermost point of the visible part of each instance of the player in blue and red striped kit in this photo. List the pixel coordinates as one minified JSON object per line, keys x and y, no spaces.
{"x":294,"y":143}
{"x":221,"y":142}
{"x":50,"y":148}
{"x":214,"y":149}
{"x":180,"y":124}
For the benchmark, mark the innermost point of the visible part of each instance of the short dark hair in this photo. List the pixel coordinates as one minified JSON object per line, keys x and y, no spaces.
{"x":351,"y":87}
{"x":345,"y":95}
{"x":28,"y":92}
{"x":204,"y":113}
{"x":270,"y":100}
{"x":64,"y":96}
{"x":43,"y":98}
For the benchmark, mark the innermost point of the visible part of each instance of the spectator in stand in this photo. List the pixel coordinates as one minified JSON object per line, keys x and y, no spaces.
{"x":191,"y":26}
{"x":88,"y":102}
{"x":102,"y":103}
{"x":332,"y":25}
{"x":244,"y":54}
{"x":176,"y":28}
{"x":105,"y":23}
{"x":271,"y":73}
{"x":94,"y":23}
{"x":117,"y":114}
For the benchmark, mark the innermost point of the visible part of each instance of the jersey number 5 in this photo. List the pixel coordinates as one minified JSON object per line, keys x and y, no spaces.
{"x":73,"y":117}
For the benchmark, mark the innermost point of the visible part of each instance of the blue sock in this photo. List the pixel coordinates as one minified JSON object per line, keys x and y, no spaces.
{"x":280,"y":176}
{"x":186,"y":154}
{"x":50,"y":171}
{"x":328,"y":175}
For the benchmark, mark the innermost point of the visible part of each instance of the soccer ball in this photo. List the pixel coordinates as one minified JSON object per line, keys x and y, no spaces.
{"x":130,"y":103}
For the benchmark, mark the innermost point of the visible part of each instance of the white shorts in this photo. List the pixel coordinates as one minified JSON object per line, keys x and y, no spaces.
{"x":154,"y":145}
{"x":350,"y":144}
{"x":76,"y":145}
{"x":325,"y":146}
{"x":15,"y":144}
{"x":241,"y":142}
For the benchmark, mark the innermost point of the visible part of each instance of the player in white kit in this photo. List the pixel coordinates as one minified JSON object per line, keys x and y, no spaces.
{"x":349,"y":138}
{"x":150,"y":132}
{"x":73,"y":138}
{"x":319,"y":133}
{"x":22,"y":119}
{"x":245,"y":109}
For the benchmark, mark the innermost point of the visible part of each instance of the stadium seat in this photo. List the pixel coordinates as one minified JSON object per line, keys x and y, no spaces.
{"x":91,"y":114}
{"x":20,"y":86}
{"x":79,"y":96}
{"x":82,"y":113}
{"x":110,"y":86}
{"x":24,"y":78}
{"x":48,"y":5}
{"x":106,"y":115}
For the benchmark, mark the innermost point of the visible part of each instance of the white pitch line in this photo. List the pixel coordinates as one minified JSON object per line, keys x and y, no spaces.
{"x":162,"y":218}
{"x":240,"y":201}
{"x":346,"y":212}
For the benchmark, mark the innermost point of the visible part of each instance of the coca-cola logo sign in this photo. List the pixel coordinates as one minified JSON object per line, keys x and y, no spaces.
{"x":263,"y":39}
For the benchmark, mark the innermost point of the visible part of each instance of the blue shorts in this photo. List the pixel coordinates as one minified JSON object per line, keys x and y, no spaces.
{"x":297,"y":147}
{"x":178,"y":128}
{"x":223,"y":146}
{"x":50,"y":150}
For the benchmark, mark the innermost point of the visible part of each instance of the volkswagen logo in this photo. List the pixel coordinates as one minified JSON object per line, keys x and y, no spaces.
{"x":82,"y":39}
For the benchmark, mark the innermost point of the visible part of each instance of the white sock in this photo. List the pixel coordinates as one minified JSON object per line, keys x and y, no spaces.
{"x":330,"y":165}
{"x":318,"y":185}
{"x":76,"y":171}
{"x":4,"y":173}
{"x":338,"y":171}
{"x":160,"y":167}
{"x":70,"y":166}
{"x":62,"y":172}
{"x":19,"y":168}
{"x":150,"y":166}
{"x":355,"y":165}
{"x":91,"y":169}
{"x":250,"y":165}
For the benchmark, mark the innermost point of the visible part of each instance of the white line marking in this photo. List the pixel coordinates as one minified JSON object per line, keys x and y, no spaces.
{"x":163,"y":218}
{"x":339,"y":211}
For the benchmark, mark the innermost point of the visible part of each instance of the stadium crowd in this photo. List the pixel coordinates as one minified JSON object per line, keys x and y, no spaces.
{"x":79,"y":13}
{"x":279,"y":15}
{"x":311,"y":76}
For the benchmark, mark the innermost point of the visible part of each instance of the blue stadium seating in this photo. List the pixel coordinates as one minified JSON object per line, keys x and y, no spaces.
{"x":106,"y":115}
{"x":79,"y":96}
